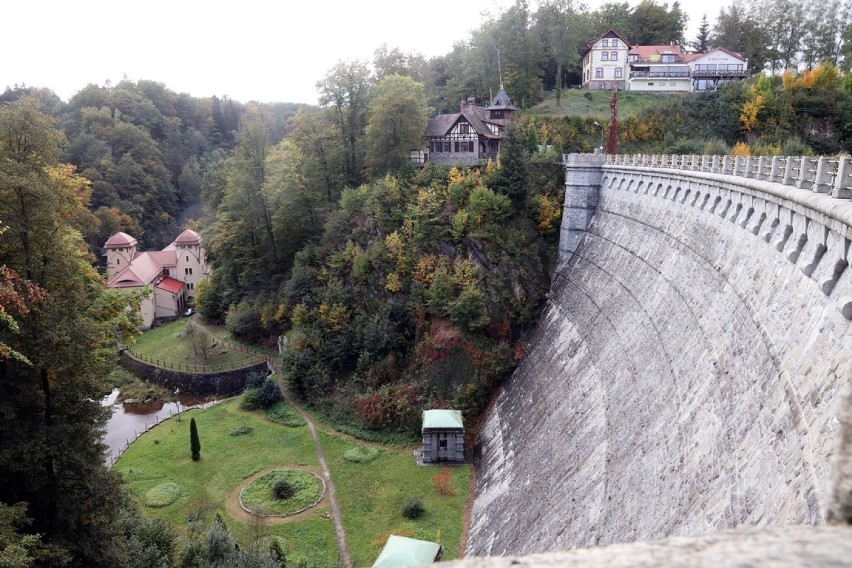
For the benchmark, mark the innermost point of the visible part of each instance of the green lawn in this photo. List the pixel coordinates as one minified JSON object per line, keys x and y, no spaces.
{"x":595,"y":103}
{"x":162,"y":456}
{"x":167,"y":343}
{"x":371,"y":496}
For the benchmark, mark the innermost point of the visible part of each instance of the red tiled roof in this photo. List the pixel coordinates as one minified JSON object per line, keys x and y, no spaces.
{"x":646,"y":51}
{"x":165,"y":258}
{"x":188,"y":237}
{"x":119,"y":240}
{"x":169,"y":284}
{"x":142,"y":270}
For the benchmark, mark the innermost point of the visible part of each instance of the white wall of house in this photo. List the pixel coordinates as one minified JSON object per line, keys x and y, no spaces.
{"x":605,"y":62}
{"x":118,"y":258}
{"x":147,"y":309}
{"x":660,"y":84}
{"x":191,"y":268}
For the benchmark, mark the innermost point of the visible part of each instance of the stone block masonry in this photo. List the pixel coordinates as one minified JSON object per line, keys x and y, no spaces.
{"x":687,"y":373}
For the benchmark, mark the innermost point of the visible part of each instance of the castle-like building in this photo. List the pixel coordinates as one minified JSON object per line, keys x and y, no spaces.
{"x":172,"y":274}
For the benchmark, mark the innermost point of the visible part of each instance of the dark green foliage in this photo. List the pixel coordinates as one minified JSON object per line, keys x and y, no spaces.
{"x":412,"y":507}
{"x":194,"y":441}
{"x":283,"y":489}
{"x":512,"y":177}
{"x":268,"y":394}
{"x":255,"y":380}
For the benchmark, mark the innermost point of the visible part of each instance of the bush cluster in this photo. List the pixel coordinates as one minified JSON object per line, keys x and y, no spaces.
{"x":362,"y":454}
{"x":412,"y":507}
{"x":266,"y":396}
{"x":283,"y":489}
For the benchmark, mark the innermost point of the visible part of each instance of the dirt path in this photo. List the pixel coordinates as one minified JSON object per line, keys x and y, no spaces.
{"x":232,"y":501}
{"x":330,"y":494}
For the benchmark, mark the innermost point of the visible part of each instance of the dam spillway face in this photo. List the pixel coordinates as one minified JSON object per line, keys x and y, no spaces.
{"x":685,"y":375}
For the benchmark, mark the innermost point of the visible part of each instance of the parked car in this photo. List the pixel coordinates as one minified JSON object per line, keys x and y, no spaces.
{"x":188,"y":312}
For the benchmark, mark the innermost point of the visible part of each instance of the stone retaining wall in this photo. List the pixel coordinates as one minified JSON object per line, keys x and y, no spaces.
{"x":686,"y":374}
{"x":223,"y":383}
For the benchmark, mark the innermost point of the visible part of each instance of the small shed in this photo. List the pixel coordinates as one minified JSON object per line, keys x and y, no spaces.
{"x":443,"y":436}
{"x":404,"y":551}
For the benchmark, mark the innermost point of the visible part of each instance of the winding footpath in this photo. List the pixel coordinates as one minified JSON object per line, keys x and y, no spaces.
{"x":336,"y":517}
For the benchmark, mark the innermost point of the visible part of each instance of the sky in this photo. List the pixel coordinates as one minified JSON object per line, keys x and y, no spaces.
{"x":246,"y":49}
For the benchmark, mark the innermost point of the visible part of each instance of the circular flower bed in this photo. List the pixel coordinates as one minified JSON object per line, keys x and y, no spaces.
{"x":162,"y":495}
{"x":259,"y":496}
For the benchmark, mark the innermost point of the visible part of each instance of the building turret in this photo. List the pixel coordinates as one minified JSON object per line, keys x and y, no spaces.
{"x":120,"y":250}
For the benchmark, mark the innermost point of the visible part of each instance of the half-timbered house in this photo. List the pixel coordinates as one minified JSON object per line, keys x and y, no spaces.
{"x":470,"y":136}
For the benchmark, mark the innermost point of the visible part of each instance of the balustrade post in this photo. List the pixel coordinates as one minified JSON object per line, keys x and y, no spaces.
{"x":761,"y":166}
{"x":822,"y":177}
{"x":790,"y":171}
{"x":804,"y":179}
{"x":842,"y":185}
{"x":726,"y":164}
{"x":776,"y":171}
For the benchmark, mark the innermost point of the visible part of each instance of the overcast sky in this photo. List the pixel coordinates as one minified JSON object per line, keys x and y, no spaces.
{"x":246,"y":49}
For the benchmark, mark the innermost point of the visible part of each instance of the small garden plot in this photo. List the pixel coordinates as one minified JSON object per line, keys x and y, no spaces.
{"x":282,"y":492}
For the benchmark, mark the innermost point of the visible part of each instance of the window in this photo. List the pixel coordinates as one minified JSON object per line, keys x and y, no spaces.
{"x":465,"y":147}
{"x":672,"y":84}
{"x":667,"y":58}
{"x":599,"y":73}
{"x":661,"y":84}
{"x":442,"y":443}
{"x":614,"y":43}
{"x":447,"y":147}
{"x":117,"y":261}
{"x":464,"y":128}
{"x":605,"y":43}
{"x":613,"y":56}
{"x":187,"y":271}
{"x":618,"y":73}
{"x":604,"y":56}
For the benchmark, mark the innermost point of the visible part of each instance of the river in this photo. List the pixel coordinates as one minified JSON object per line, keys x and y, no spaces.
{"x":127,"y":421}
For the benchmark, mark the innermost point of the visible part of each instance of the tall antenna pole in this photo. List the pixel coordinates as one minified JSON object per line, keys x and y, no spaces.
{"x":499,"y":67}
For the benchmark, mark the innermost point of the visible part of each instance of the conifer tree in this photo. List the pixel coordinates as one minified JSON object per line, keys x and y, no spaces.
{"x":194,"y":441}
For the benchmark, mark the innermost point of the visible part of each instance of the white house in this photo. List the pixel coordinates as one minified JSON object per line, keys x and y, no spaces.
{"x":657,"y":68}
{"x":171,"y":274}
{"x":605,"y":62}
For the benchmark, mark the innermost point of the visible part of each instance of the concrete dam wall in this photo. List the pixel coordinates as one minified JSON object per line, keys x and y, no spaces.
{"x":687,"y":372}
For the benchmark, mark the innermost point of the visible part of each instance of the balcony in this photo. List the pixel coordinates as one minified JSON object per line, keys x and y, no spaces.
{"x":655,"y":74}
{"x":717,"y":74}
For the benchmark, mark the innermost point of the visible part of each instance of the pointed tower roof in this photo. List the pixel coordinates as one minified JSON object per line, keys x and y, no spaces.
{"x":187,"y":238}
{"x":120,"y":240}
{"x":501,"y":101}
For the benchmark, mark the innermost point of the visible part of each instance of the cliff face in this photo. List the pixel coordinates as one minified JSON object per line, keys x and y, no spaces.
{"x":685,"y":377}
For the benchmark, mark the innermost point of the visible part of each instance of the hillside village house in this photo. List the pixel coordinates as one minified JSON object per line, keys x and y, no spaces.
{"x":657,"y":68}
{"x":172,"y":273}
{"x":473,"y":134}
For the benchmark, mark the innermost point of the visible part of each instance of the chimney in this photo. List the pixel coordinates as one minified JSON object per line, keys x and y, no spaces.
{"x":462,"y":104}
{"x":471,"y":101}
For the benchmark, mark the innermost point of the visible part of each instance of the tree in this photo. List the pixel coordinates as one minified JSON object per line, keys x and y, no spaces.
{"x":346,"y":89}
{"x":51,"y":456}
{"x":194,"y":441}
{"x":397,"y":118}
{"x":512,"y":178}
{"x":701,"y":45}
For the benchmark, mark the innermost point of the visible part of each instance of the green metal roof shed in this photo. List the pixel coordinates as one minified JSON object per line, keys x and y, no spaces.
{"x":404,"y":551}
{"x":442,"y":420}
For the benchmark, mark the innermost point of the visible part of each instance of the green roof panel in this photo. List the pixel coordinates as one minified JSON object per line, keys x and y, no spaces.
{"x":404,"y":551}
{"x":442,"y":419}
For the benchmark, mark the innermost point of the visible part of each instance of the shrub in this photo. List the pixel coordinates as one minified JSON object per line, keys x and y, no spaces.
{"x":194,"y":441}
{"x":442,"y":482}
{"x":362,"y":454}
{"x":241,"y":431}
{"x":249,"y":401}
{"x":283,"y":489}
{"x":162,"y":495}
{"x":716,"y":147}
{"x":268,"y":394}
{"x":412,"y":507}
{"x":255,"y":380}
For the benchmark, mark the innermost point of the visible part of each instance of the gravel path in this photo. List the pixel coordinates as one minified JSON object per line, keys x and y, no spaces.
{"x":336,"y":517}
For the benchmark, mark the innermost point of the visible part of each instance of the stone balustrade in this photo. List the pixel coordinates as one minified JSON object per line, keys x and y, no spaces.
{"x":823,"y":174}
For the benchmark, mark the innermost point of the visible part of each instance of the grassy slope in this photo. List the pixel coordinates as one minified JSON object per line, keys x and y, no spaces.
{"x":167,"y":344}
{"x":595,"y":103}
{"x":162,"y":455}
{"x":371,"y":496}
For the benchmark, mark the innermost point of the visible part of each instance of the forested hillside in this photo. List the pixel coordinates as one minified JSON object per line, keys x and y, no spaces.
{"x":393,"y":287}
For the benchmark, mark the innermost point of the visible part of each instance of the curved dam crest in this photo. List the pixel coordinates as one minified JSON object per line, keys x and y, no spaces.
{"x":686,"y":373}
